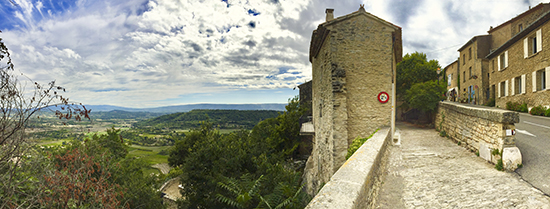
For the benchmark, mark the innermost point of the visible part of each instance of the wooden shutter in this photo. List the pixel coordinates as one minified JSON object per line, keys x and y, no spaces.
{"x":498,"y":62}
{"x":547,"y":74}
{"x":498,"y":85}
{"x":523,"y":84}
{"x":534,"y":81}
{"x":539,"y":40}
{"x":505,"y":59}
{"x":512,"y":90}
{"x":525,"y":47}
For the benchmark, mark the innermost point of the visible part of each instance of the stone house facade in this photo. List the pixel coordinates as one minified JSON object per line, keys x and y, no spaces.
{"x":476,"y":68}
{"x":521,"y":68}
{"x":473,"y":69}
{"x":451,"y":73}
{"x":353,"y":61}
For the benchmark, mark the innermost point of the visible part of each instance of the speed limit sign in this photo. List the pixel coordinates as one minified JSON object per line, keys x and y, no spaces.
{"x":383,"y":97}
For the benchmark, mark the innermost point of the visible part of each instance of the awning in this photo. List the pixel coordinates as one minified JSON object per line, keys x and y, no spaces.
{"x":307,"y":129}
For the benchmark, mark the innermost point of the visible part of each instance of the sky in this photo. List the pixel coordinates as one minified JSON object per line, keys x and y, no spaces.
{"x":150,"y":53}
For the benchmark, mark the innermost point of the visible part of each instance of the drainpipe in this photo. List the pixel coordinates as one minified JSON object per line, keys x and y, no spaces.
{"x":393,"y":98}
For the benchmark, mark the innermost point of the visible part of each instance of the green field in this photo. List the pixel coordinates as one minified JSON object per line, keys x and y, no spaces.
{"x":149,"y":154}
{"x":53,"y":143}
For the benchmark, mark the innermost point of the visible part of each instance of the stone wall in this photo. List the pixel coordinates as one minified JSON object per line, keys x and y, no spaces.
{"x":356,"y":183}
{"x":480,"y":129}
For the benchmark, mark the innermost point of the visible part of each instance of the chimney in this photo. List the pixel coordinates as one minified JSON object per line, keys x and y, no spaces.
{"x":330,"y":15}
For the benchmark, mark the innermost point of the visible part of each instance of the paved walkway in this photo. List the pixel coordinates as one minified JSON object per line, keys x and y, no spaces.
{"x":429,"y":171}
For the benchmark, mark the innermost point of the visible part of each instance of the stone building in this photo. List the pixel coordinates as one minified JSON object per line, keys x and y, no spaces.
{"x":353,"y":59}
{"x":451,"y":73}
{"x":520,"y":67}
{"x":475,"y":68}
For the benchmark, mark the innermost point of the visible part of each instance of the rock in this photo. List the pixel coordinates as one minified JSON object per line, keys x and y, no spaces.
{"x":511,"y":158}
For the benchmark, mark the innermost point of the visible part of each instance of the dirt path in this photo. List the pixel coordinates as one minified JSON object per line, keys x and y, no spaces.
{"x":163,"y":167}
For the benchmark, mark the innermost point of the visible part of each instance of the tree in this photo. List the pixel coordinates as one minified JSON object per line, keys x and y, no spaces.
{"x":205,"y":158}
{"x":415,"y":68}
{"x":16,"y":109}
{"x":425,"y":96}
{"x":417,"y":83}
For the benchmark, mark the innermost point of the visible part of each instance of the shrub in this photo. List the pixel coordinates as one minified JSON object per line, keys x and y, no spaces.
{"x":499,"y":166}
{"x":490,"y":103}
{"x":357,"y":142}
{"x":538,"y":110}
{"x":514,"y":106}
{"x":547,"y":114}
{"x":523,"y":108}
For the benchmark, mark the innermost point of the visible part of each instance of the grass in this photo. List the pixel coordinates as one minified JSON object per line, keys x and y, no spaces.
{"x":54,"y":143}
{"x":149,"y":154}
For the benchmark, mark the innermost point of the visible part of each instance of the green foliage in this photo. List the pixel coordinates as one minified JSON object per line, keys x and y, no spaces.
{"x":100,"y":175}
{"x":219,"y":118}
{"x":547,"y":114}
{"x":442,"y":133}
{"x":499,"y":166}
{"x":357,"y":143}
{"x":520,"y":166}
{"x":477,"y":153}
{"x":495,"y":152}
{"x":490,"y":103}
{"x":538,"y":110}
{"x":425,"y":96}
{"x":415,"y":68}
{"x":515,"y":106}
{"x":205,"y":157}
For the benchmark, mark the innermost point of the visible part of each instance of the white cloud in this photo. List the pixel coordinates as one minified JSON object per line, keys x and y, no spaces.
{"x":142,"y":53}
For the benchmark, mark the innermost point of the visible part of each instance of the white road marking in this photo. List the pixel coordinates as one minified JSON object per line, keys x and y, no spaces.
{"x":525,"y":132}
{"x":543,"y":126}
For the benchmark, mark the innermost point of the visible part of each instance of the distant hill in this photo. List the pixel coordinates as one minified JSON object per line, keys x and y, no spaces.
{"x":189,"y":107}
{"x":220,"y":118}
{"x":121,"y":114}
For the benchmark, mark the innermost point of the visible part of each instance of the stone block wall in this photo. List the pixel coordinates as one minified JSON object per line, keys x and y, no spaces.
{"x":357,"y":182}
{"x":480,"y":129}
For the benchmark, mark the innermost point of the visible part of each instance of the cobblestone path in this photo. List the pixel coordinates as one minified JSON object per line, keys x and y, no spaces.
{"x":429,"y":171}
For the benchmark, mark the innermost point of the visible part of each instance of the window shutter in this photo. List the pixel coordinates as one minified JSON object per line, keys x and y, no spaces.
{"x":523,"y":84}
{"x":539,"y":40}
{"x":534,"y":81}
{"x":505,"y":59}
{"x":498,"y":90}
{"x":512,"y":84}
{"x":525,"y":47}
{"x":506,"y":88}
{"x":547,"y":73}
{"x":498,"y":62}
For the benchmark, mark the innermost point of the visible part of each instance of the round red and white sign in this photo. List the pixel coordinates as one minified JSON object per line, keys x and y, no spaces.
{"x":383,"y":97}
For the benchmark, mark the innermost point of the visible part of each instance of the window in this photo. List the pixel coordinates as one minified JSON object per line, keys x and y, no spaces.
{"x":532,"y":44}
{"x":520,"y":28}
{"x":463,"y":59}
{"x":502,"y":61}
{"x":470,"y":73}
{"x":464,"y":77}
{"x":493,"y":65}
{"x":539,"y":79}
{"x":470,"y":53}
{"x":449,"y":79}
{"x":518,"y":85}
{"x":501,"y":89}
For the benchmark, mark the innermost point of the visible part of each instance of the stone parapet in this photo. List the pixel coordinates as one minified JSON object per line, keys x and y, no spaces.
{"x":356,"y":183}
{"x":481,"y":129}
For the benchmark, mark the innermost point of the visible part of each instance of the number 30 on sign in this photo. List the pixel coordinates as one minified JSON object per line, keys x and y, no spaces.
{"x":383,"y":97}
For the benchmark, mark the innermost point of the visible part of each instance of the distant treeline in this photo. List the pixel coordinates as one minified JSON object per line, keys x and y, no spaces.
{"x":121,"y":114}
{"x":224,"y":119}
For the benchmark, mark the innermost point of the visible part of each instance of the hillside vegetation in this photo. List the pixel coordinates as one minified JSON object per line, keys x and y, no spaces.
{"x":223,"y":119}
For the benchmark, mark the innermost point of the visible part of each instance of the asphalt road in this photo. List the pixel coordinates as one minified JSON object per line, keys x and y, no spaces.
{"x":533,"y":140}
